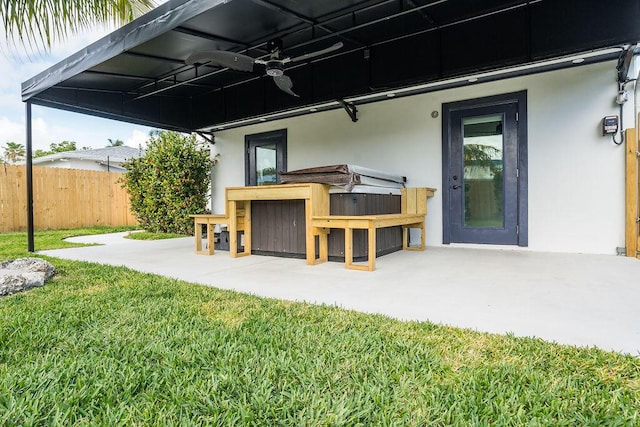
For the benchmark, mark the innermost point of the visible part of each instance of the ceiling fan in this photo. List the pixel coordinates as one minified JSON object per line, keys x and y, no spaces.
{"x":274,"y":64}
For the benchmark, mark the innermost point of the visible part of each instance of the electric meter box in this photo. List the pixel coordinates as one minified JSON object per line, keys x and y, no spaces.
{"x":609,"y":125}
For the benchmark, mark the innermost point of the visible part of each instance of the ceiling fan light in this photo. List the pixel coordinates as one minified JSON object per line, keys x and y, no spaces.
{"x":275,"y":68}
{"x":274,"y":72}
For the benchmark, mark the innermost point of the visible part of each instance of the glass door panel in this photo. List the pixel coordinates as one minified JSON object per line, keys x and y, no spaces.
{"x":483,"y":148}
{"x":266,"y":164}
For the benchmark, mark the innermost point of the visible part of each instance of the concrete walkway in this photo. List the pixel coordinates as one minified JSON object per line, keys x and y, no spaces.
{"x":583,"y":300}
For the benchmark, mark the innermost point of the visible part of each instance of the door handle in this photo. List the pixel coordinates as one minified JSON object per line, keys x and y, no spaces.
{"x":455,"y":187}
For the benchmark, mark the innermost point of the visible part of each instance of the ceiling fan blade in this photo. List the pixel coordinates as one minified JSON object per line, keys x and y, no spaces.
{"x":317,"y":53}
{"x":232,"y":60}
{"x":285,"y":84}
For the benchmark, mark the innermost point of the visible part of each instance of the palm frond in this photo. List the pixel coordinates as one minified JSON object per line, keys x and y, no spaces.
{"x":36,"y":24}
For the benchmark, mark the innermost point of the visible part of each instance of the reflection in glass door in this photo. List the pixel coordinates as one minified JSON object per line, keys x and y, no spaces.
{"x":483,"y":171}
{"x":266,"y":164}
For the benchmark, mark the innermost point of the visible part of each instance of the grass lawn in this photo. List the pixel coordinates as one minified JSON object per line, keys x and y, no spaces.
{"x":109,"y":346}
{"x":147,"y":235}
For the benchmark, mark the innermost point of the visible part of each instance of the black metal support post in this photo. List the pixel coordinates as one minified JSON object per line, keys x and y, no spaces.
{"x":30,"y":243}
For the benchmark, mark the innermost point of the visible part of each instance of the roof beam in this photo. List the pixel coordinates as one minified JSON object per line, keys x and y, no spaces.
{"x":334,"y":34}
{"x":314,"y":24}
{"x":207,"y":36}
{"x":255,"y":45}
{"x":123,"y":76}
{"x":176,"y":84}
{"x":154,"y":57}
{"x":324,"y":37}
{"x":423,"y":13}
{"x":369,"y":23}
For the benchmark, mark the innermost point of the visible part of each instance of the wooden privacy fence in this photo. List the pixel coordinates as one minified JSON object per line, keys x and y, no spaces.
{"x":62,"y":198}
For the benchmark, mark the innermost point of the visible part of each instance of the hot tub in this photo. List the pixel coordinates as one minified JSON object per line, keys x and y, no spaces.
{"x":278,"y":227}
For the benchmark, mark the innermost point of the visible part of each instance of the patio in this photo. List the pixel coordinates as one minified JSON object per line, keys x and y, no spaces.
{"x":575,"y":299}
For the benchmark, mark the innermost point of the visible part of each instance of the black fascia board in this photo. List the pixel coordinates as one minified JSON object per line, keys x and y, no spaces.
{"x":111,"y":116}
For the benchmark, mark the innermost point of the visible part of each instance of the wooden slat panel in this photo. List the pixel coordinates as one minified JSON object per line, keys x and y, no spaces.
{"x":414,"y":199}
{"x":412,"y":205}
{"x":631,"y":194}
{"x":421,"y":200}
{"x":279,"y":226}
{"x":62,"y":198}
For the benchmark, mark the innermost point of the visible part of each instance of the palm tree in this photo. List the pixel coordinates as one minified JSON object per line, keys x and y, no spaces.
{"x":115,"y":142}
{"x":14,"y":152}
{"x":37,"y":23}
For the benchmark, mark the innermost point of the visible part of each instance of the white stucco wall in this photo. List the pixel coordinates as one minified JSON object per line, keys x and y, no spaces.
{"x":576,"y":176}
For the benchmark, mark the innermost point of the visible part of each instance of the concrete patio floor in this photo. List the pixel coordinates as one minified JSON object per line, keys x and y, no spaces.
{"x":576,"y":299}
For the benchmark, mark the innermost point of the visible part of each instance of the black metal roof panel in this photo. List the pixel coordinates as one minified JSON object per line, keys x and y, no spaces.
{"x":138,"y":73}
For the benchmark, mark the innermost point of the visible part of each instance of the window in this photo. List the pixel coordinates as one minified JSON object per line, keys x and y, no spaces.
{"x":266,"y":156}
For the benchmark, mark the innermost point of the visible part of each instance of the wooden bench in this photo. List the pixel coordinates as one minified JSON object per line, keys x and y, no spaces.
{"x":413,"y":212}
{"x":370,"y":223}
{"x":210,"y":220}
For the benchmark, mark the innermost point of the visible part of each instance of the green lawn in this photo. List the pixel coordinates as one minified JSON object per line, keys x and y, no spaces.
{"x":147,"y":235}
{"x":108,"y":346}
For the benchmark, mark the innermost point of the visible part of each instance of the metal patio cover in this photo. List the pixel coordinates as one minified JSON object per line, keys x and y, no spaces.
{"x":137,"y":73}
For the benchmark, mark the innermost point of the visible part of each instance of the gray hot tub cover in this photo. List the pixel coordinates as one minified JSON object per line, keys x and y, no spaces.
{"x":344,"y":176}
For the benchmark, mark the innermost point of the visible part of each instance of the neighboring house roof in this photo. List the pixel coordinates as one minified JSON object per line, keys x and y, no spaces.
{"x":117,"y":154}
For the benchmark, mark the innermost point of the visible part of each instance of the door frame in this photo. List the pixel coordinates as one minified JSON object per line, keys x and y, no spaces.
{"x":278,"y":137}
{"x":520,"y":99}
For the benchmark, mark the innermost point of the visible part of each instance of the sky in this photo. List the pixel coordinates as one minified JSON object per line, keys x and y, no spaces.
{"x":51,"y":125}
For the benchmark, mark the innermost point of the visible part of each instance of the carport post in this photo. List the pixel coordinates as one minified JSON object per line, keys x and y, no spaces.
{"x":30,"y":245}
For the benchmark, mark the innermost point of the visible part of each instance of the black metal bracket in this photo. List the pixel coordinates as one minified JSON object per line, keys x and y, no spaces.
{"x":208,"y":136}
{"x":350,"y":108}
{"x":624,"y":64}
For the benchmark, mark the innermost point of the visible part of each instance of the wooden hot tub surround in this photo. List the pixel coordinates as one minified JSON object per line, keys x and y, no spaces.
{"x":318,"y":221}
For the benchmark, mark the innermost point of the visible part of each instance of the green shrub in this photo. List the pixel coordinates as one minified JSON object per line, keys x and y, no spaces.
{"x":169,"y":183}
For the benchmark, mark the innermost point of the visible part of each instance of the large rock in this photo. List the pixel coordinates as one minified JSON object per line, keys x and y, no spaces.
{"x":24,"y":273}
